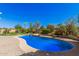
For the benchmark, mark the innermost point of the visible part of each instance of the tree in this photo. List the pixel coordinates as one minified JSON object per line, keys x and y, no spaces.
{"x":62,"y":29}
{"x":72,"y":29}
{"x":6,"y":31}
{"x":78,"y":19}
{"x":18,"y":28}
{"x":50,"y":27}
{"x":37,"y":27}
{"x":31,"y":28}
{"x":42,"y":27}
{"x":25,"y":23}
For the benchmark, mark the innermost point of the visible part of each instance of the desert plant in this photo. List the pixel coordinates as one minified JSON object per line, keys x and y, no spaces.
{"x":71,"y":27}
{"x":45,"y":31}
{"x":50,"y":27}
{"x":60,"y":30}
{"x":36,"y":27}
{"x":18,"y":28}
{"x":71,"y":37}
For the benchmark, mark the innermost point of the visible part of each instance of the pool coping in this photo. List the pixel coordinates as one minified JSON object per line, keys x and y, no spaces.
{"x":24,"y":46}
{"x":64,"y":39}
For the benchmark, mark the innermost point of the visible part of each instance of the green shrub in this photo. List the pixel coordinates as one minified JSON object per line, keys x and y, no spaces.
{"x":45,"y":31}
{"x":71,"y":37}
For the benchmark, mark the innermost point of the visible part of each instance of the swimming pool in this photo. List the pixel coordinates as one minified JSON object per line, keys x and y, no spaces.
{"x":47,"y":44}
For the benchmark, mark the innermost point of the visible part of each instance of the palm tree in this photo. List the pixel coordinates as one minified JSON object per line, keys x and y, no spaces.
{"x":31,"y":27}
{"x":25,"y":24}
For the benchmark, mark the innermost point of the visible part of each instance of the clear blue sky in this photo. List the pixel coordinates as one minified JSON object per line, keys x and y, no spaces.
{"x":12,"y":14}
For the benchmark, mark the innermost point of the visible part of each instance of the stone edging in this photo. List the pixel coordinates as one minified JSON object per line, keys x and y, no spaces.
{"x":24,"y":46}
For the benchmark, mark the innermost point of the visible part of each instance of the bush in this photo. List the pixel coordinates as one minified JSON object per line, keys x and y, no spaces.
{"x":58,"y":32}
{"x":45,"y":31}
{"x":71,"y":37}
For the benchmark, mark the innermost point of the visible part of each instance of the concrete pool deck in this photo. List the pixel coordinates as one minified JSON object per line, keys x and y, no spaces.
{"x":9,"y":46}
{"x":15,"y":46}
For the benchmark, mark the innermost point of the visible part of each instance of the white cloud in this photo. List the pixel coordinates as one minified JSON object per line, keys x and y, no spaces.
{"x":1,"y":13}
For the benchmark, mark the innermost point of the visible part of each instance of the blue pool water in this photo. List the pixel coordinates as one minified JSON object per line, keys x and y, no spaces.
{"x":47,"y":44}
